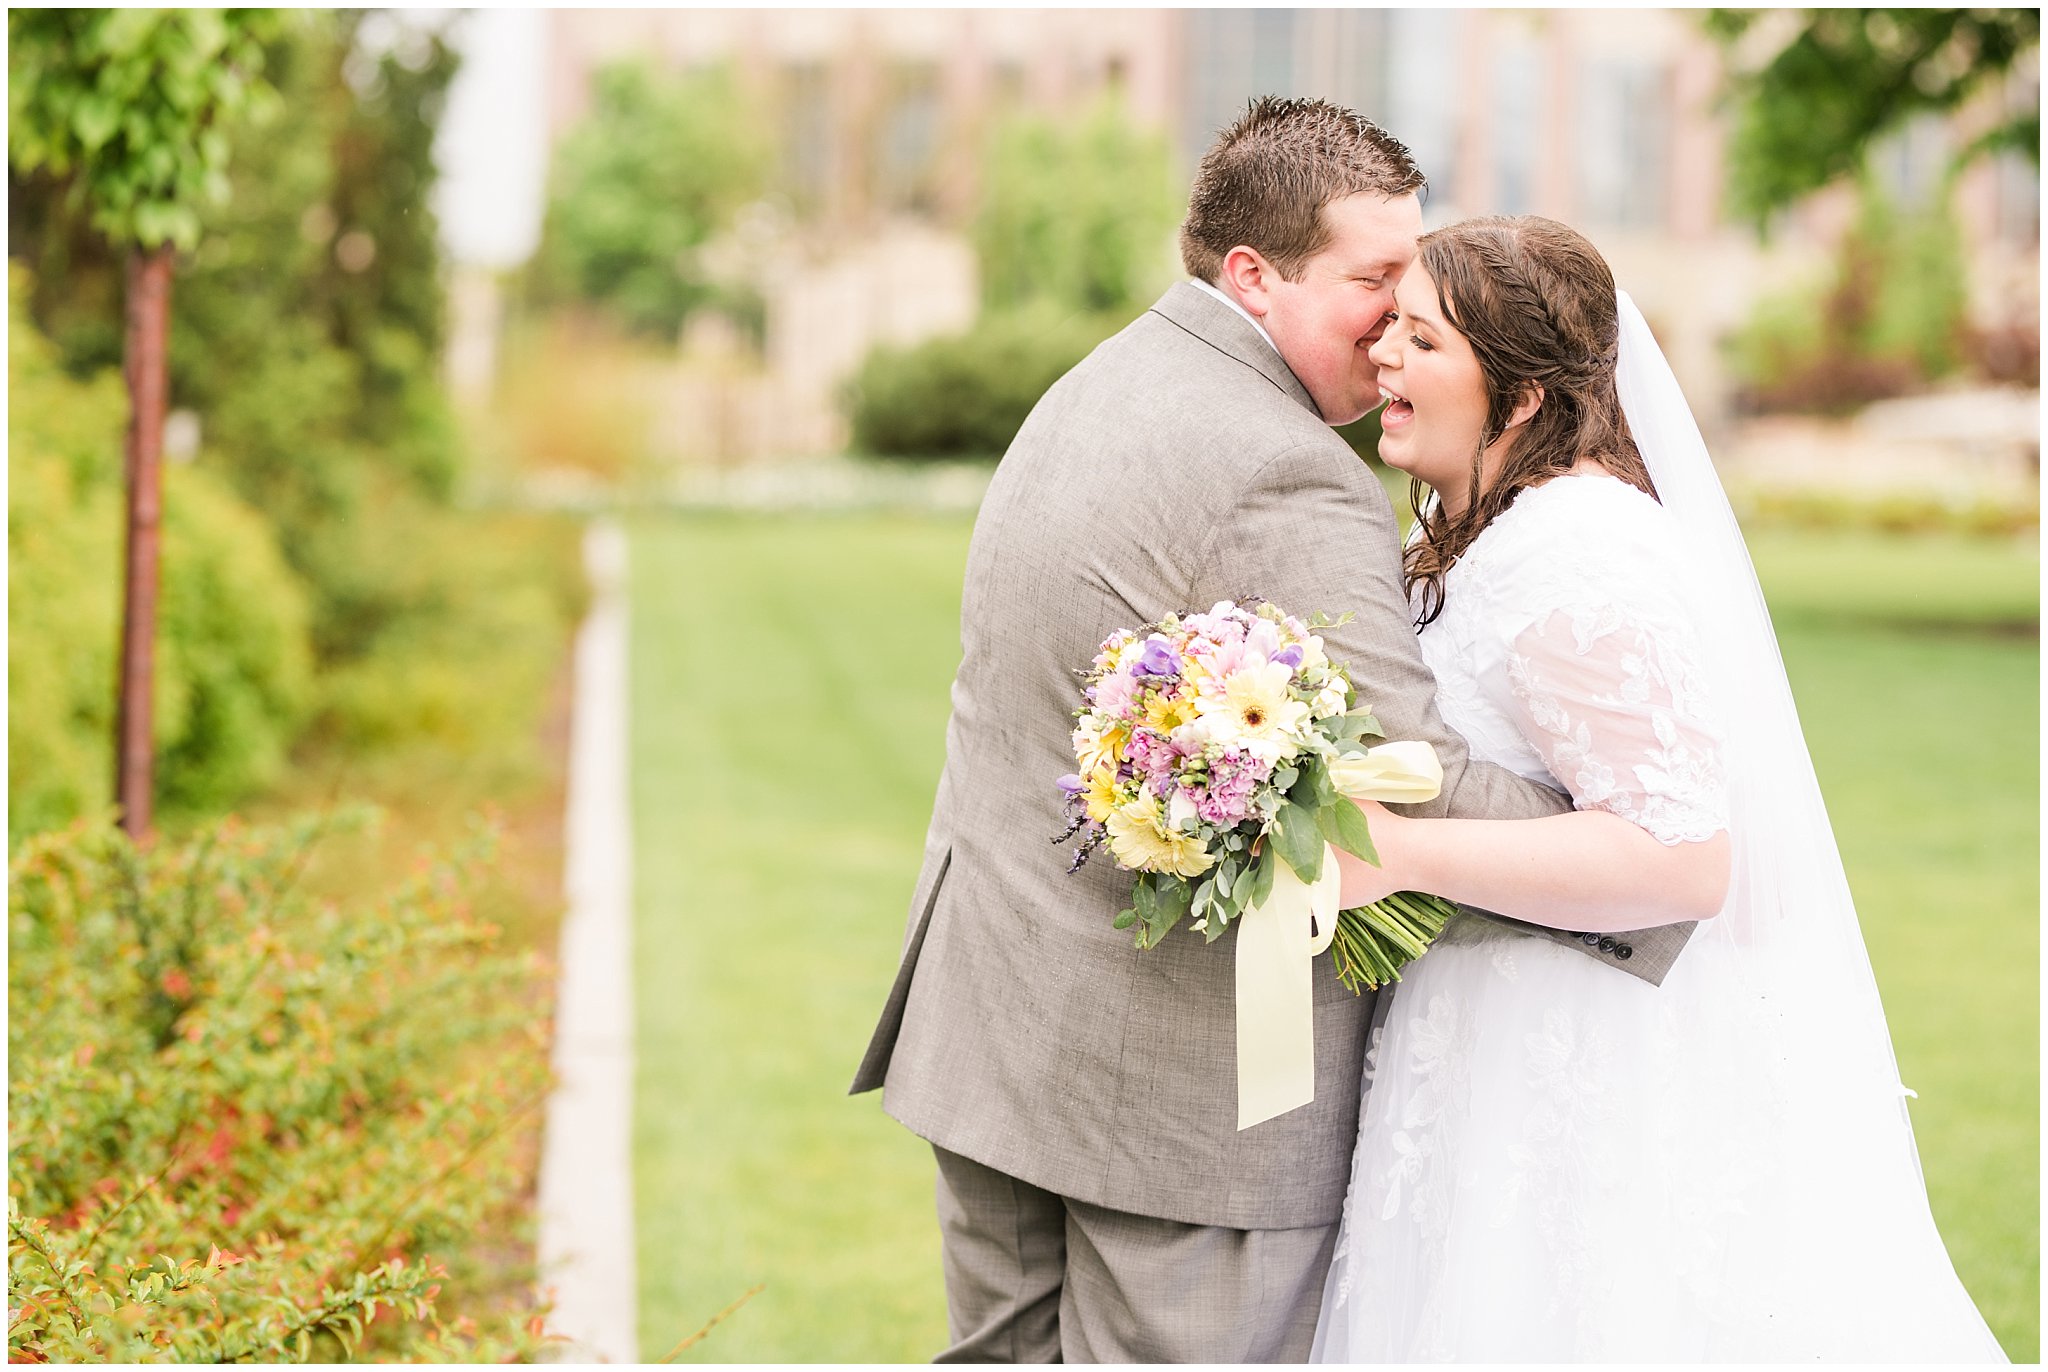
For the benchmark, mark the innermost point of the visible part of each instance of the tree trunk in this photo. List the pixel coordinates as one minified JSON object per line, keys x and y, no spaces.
{"x":149,"y":315}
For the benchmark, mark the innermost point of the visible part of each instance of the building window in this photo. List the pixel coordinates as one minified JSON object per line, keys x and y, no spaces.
{"x":1342,"y":57}
{"x":1912,"y":164}
{"x":807,"y":135}
{"x":1518,"y":115}
{"x":906,"y":158}
{"x":1624,"y":145}
{"x":1425,"y":97}
{"x":1233,"y":56}
{"x":2018,"y":183}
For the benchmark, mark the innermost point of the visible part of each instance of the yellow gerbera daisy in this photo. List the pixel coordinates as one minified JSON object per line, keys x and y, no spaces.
{"x":1165,"y":713}
{"x":1098,"y":793}
{"x":1140,"y":839}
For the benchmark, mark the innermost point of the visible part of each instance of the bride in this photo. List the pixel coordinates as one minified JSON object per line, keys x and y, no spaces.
{"x":1557,"y":1162}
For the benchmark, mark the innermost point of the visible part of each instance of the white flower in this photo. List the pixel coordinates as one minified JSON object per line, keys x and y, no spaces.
{"x":1254,"y":709}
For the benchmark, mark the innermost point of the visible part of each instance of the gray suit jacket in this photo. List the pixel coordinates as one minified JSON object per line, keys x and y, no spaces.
{"x":1180,"y":464}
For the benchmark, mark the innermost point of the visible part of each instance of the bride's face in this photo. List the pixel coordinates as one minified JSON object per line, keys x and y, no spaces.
{"x":1436,"y":395}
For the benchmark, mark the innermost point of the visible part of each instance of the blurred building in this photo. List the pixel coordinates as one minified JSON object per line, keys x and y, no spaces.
{"x":1605,"y":119}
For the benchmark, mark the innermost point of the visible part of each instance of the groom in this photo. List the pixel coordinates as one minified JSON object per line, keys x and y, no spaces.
{"x":1096,"y":1200}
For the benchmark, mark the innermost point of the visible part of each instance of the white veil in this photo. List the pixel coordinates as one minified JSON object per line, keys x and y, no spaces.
{"x":1811,"y":1135}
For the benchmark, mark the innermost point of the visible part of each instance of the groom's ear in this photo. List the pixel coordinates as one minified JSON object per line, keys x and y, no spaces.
{"x":1247,"y":277}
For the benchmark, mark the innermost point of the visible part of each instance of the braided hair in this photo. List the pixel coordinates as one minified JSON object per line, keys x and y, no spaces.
{"x":1536,"y":302}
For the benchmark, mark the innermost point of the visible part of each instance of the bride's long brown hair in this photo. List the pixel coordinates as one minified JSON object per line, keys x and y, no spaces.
{"x":1536,"y":302}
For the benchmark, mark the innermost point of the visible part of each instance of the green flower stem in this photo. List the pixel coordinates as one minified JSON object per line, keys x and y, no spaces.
{"x":1372,"y":942}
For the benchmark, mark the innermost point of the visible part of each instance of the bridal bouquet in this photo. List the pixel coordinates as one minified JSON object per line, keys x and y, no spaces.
{"x":1219,"y":753}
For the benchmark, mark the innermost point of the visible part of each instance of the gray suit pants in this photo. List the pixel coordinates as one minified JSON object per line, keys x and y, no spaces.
{"x":1036,"y":1277}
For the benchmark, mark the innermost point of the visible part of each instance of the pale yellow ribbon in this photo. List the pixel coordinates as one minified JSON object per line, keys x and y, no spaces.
{"x":1278,"y":938}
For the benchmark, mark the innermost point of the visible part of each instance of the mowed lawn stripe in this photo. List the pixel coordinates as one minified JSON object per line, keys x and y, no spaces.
{"x":790,"y":682}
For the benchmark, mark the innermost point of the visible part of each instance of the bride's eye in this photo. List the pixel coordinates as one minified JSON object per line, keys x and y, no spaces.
{"x":1417,"y":341}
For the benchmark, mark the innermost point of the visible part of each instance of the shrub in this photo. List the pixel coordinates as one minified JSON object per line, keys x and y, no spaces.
{"x":462,"y":654}
{"x":244,"y":1125}
{"x":232,"y":661}
{"x":965,"y":396}
{"x":1981,"y":514}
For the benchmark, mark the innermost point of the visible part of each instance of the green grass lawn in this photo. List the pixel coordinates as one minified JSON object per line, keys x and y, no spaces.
{"x":789,"y":697}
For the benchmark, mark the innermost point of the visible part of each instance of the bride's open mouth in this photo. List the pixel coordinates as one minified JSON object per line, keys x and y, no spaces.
{"x":1398,"y":411}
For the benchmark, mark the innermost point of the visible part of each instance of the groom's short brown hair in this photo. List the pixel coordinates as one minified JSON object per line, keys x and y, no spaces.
{"x":1266,"y":180}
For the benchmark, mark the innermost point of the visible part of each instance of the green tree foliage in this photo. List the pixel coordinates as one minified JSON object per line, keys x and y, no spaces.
{"x":1891,"y":318}
{"x":1847,"y":76}
{"x":310,"y":320}
{"x":313,"y":370}
{"x":657,"y":167}
{"x":136,"y":103}
{"x":233,"y":662}
{"x":1076,"y":212}
{"x":244,"y":1124}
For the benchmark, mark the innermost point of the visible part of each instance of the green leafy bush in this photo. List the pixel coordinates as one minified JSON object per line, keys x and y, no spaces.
{"x":232,"y":661}
{"x":1983,"y":514}
{"x":965,"y":396}
{"x":463,"y":653}
{"x":245,"y":1125}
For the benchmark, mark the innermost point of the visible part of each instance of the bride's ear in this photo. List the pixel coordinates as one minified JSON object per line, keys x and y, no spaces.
{"x":1526,"y":407}
{"x":1246,"y":277}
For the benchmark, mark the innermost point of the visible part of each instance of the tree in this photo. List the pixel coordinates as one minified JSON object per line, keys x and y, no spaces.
{"x":132,"y":104}
{"x":1076,"y":212}
{"x":657,"y":167}
{"x":1809,"y":114}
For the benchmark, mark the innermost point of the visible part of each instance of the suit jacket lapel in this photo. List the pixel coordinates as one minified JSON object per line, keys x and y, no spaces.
{"x":1227,"y":331}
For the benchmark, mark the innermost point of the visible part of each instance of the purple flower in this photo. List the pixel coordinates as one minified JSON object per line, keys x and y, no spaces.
{"x":1291,"y":655}
{"x":1070,"y":783}
{"x":1158,"y":658}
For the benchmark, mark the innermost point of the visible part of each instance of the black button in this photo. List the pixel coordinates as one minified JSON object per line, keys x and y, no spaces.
{"x":1589,"y":938}
{"x":1624,"y":952}
{"x":1607,"y":945}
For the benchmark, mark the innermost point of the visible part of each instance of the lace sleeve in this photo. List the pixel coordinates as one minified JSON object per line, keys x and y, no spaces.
{"x":1612,"y":700}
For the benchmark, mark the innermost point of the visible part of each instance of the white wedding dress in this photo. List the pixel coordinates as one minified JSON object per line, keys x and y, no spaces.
{"x":1559,"y":1162}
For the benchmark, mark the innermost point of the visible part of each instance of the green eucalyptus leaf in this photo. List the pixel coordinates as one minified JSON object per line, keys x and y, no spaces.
{"x":1297,"y":839}
{"x":1262,"y":879}
{"x":1344,"y":825}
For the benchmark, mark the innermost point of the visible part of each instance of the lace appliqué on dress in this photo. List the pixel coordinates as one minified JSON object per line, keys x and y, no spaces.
{"x":1612,"y":700}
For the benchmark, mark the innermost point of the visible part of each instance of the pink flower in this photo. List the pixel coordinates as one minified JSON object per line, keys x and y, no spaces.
{"x":1113,"y":694}
{"x":1227,"y":659}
